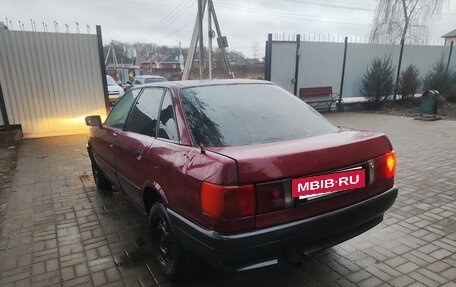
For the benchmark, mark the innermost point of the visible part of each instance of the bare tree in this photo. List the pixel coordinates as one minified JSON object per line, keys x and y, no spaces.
{"x":255,"y":48}
{"x":397,"y":20}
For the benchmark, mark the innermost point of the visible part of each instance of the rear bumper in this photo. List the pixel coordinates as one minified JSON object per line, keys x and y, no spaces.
{"x":266,"y":246}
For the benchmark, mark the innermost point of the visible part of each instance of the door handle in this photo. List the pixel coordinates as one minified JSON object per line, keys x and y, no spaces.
{"x":114,"y":135}
{"x":139,"y":153}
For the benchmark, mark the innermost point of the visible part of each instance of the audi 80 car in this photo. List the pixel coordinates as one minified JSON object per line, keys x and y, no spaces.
{"x":239,"y":172}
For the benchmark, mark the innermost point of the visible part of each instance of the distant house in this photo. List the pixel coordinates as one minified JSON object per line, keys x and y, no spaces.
{"x":248,"y":68}
{"x":244,"y":63}
{"x":161,"y":63}
{"x":171,"y":62}
{"x":149,"y":63}
{"x":139,"y":60}
{"x":450,"y":38}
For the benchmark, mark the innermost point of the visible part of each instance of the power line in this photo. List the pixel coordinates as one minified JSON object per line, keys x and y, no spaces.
{"x":329,"y":5}
{"x":171,"y":16}
{"x":285,"y":14}
{"x":174,"y":32}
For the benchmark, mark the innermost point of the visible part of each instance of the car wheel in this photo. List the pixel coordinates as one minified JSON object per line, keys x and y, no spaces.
{"x":174,"y":262}
{"x":100,"y":180}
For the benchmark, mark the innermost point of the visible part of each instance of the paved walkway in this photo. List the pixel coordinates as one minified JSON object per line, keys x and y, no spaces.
{"x":61,"y":231}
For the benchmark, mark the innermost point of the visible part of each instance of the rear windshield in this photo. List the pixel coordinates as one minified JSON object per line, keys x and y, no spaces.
{"x":245,"y":114}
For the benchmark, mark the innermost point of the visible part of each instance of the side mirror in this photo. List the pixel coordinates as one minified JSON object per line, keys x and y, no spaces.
{"x":94,"y":121}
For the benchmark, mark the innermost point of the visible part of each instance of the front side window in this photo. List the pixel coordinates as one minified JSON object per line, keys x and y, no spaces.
{"x":143,"y":119}
{"x":246,"y":114}
{"x":119,"y":113}
{"x":168,"y":126}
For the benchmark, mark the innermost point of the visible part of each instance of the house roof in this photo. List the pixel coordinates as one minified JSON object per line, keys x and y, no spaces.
{"x":140,"y":59}
{"x":173,"y":58}
{"x":160,"y":58}
{"x":450,"y":34}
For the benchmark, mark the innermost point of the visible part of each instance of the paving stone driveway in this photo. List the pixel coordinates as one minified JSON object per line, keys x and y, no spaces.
{"x":60,"y":230}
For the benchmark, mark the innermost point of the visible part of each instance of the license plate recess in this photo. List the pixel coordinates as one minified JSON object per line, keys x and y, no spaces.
{"x":319,"y":185}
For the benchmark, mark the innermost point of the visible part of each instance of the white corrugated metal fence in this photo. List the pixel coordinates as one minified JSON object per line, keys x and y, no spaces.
{"x":321,"y":63}
{"x":50,"y":81}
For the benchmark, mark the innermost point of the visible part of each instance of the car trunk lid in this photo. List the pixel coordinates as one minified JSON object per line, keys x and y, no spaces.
{"x":307,"y":156}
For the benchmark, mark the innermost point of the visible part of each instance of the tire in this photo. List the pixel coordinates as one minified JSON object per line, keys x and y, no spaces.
{"x":174,"y":262}
{"x":100,"y":180}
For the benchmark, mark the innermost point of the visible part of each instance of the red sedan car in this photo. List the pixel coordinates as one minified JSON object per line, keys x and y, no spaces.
{"x":239,"y":172}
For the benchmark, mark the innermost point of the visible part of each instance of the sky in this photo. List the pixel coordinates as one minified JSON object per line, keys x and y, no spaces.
{"x":246,"y":24}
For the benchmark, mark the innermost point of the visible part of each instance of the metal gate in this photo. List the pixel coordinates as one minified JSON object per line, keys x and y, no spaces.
{"x":50,"y":81}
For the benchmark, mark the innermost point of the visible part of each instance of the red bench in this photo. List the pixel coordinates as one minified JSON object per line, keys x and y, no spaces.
{"x":318,"y":95}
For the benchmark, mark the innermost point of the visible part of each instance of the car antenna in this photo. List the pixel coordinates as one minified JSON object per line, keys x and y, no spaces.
{"x":202,"y":150}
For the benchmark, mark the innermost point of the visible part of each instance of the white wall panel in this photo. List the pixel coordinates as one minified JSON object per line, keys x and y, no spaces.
{"x":359,"y":58}
{"x":320,"y":65}
{"x":50,"y":81}
{"x":283,"y":61}
{"x":424,"y":57}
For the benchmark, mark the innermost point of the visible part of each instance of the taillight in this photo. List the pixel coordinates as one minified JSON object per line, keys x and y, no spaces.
{"x":270,"y":197}
{"x":383,"y":167}
{"x":390,"y":168}
{"x":227,"y":202}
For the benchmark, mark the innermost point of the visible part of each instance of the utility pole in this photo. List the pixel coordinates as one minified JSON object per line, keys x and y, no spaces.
{"x":222,"y":41}
{"x":201,"y":40}
{"x":107,"y":54}
{"x":209,"y":44}
{"x":114,"y":58}
{"x":181,"y":57}
{"x":192,"y":48}
{"x":197,"y":35}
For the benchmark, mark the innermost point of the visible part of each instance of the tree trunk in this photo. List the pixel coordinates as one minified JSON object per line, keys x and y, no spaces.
{"x":407,"y":20}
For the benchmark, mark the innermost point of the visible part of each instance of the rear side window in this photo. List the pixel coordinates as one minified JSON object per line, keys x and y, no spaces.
{"x":244,"y":114}
{"x":119,"y":113}
{"x":168,"y":126}
{"x":143,"y":119}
